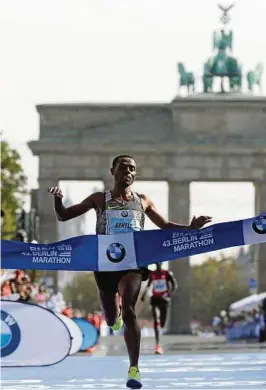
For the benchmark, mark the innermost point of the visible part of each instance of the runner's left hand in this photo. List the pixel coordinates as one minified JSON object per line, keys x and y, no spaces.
{"x":198,"y":223}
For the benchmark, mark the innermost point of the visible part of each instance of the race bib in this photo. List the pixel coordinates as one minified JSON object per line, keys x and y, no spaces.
{"x":122,"y":221}
{"x":159,"y":286}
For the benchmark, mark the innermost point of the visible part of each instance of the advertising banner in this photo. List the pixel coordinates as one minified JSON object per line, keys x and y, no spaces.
{"x":32,"y":335}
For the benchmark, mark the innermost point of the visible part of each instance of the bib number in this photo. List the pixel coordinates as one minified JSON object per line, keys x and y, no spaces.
{"x":121,"y":221}
{"x":159,"y":286}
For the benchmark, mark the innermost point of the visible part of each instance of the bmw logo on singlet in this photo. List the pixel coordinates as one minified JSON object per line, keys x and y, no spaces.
{"x":259,"y":224}
{"x":10,"y":334}
{"x":115,"y":252}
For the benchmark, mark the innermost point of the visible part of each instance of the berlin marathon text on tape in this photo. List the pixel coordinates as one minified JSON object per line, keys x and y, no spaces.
{"x":183,"y":241}
{"x":61,"y":254}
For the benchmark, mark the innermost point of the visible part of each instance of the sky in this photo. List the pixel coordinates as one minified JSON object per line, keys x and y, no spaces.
{"x":70,"y":51}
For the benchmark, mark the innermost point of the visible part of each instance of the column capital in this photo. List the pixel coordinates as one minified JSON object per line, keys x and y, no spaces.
{"x":48,"y":181}
{"x":179,"y":182}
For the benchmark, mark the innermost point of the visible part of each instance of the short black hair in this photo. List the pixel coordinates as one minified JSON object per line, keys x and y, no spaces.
{"x":117,"y":158}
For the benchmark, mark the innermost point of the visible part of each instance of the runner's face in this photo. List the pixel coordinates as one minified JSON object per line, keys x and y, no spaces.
{"x":159,"y":266}
{"x":124,"y":172}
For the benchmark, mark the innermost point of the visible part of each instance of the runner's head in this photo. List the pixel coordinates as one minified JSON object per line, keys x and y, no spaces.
{"x":124,"y":170}
{"x":158,"y":266}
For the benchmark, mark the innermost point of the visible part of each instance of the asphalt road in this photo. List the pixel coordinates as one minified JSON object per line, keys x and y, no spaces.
{"x":210,"y":371}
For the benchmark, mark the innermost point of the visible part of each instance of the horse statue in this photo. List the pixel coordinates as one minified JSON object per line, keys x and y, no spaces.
{"x":186,"y":79}
{"x":207,"y":79}
{"x":254,"y":77}
{"x":222,"y":64}
{"x":235,"y":75}
{"x":235,"y":83}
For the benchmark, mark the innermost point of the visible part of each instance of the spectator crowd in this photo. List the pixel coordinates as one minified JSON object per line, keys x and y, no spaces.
{"x":16,"y":285}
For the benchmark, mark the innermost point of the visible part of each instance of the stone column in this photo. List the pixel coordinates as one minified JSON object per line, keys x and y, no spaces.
{"x":180,"y":316}
{"x":48,"y":222}
{"x":260,"y":250}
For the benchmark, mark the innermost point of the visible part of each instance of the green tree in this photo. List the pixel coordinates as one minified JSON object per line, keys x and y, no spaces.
{"x":13,"y":187}
{"x":82,"y":293}
{"x":215,"y":285}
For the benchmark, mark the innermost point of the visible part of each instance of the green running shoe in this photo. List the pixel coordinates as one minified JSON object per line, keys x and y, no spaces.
{"x":133,"y":379}
{"x":119,"y":322}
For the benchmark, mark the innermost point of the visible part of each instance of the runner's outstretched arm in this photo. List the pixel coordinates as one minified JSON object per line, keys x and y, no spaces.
{"x":66,"y":213}
{"x":154,"y":215}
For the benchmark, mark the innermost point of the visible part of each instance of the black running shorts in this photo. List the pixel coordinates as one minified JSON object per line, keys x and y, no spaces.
{"x":108,"y":281}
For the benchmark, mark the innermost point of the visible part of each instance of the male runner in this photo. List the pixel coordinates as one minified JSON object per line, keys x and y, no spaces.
{"x":111,"y":206}
{"x":163,"y":283}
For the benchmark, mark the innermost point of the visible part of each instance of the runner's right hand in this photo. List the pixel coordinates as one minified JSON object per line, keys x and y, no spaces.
{"x":56,"y":191}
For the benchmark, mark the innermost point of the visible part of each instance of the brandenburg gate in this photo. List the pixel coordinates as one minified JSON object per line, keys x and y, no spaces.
{"x":202,"y":137}
{"x":191,"y":139}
